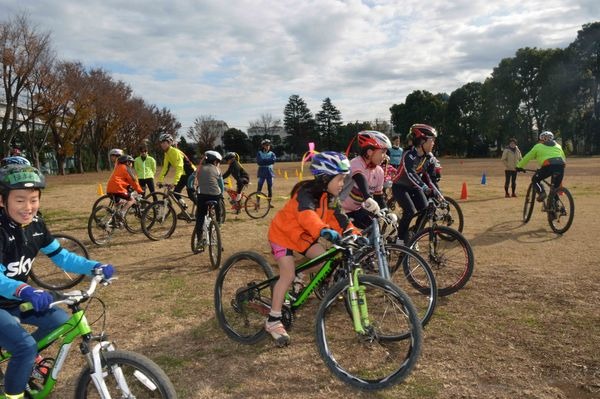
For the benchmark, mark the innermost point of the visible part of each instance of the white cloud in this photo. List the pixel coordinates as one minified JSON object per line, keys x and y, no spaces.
{"x":239,"y":59}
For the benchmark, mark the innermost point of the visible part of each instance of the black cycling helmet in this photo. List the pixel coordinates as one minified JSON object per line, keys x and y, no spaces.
{"x":17,"y":176}
{"x":230,"y":155}
{"x":125,"y":159}
{"x":14,"y":160}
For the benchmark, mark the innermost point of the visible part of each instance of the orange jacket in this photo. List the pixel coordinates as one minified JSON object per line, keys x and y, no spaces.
{"x":298,"y":225}
{"x":121,"y":179}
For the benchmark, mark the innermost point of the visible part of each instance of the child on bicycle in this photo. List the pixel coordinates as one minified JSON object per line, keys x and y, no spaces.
{"x":209,"y":187}
{"x":239,"y":174}
{"x":123,"y":183}
{"x":412,"y":184}
{"x":313,"y":211}
{"x":551,"y":158}
{"x":363,"y":194}
{"x":23,"y":234}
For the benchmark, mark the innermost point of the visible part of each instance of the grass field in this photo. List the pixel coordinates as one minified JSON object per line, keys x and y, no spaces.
{"x":527,"y":325}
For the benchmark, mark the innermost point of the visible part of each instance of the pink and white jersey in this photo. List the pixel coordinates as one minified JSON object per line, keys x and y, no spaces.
{"x":374,"y":177}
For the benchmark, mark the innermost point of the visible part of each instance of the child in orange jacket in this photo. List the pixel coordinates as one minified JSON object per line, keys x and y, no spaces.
{"x":313,"y":211}
{"x":122,"y":181}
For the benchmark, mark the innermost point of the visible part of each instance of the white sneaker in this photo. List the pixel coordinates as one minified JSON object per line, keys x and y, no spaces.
{"x":399,"y":241}
{"x":277,"y":331}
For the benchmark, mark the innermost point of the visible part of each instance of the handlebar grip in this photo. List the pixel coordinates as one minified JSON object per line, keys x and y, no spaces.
{"x":26,"y":306}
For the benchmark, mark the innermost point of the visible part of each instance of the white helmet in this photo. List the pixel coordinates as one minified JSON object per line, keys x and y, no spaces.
{"x":212,"y":156}
{"x":546,"y":135}
{"x":116,"y":151}
{"x":166,"y":137}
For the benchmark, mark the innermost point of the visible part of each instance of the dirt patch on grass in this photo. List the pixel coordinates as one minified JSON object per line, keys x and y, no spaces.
{"x":525,"y":326}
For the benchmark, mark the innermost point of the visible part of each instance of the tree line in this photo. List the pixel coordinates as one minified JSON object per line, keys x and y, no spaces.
{"x":62,"y":109}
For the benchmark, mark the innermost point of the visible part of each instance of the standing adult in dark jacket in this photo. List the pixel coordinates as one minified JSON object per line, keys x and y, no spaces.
{"x":265,"y":160}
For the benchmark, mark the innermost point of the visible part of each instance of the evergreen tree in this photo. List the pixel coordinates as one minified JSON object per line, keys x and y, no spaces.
{"x":299,"y":125}
{"x":328,"y":121}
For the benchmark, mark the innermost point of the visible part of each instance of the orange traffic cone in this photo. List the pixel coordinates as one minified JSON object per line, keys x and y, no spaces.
{"x":99,"y":190}
{"x":463,"y":193}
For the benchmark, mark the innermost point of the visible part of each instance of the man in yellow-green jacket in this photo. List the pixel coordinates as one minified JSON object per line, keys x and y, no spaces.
{"x":551,"y":158}
{"x":145,"y":167}
{"x":183,"y":166}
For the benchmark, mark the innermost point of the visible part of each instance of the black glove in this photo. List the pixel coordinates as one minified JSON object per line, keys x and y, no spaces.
{"x":520,"y":170}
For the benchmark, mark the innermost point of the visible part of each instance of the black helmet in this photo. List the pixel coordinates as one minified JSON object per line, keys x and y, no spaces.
{"x":17,"y":176}
{"x":125,"y":159}
{"x":230,"y":155}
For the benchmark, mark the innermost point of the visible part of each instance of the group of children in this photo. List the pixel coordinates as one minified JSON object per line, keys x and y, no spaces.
{"x":318,"y":208}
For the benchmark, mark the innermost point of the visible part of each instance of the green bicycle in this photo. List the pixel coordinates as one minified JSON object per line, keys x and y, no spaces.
{"x":109,"y":373}
{"x":367,"y":329}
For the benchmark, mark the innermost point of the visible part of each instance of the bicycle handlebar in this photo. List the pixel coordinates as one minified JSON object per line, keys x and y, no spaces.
{"x":73,"y":297}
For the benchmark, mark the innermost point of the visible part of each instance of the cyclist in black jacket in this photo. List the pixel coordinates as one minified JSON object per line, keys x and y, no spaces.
{"x":412,"y":183}
{"x":23,"y":234}
{"x":237,"y":171}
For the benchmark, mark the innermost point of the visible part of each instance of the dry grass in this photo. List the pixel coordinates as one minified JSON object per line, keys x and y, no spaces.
{"x":526,"y":325}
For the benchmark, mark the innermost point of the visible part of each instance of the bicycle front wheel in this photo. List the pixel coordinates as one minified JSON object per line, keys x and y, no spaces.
{"x":106,"y":200}
{"x":414,"y":277}
{"x":159,"y":220}
{"x":133,"y":217}
{"x":449,"y":255}
{"x":242,"y":303}
{"x":257,"y":205}
{"x":561,"y":214}
{"x":47,"y":275}
{"x":529,"y":203}
{"x":101,"y":225}
{"x":452,"y":216}
{"x":386,"y":352}
{"x":215,"y":247}
{"x":127,"y":375}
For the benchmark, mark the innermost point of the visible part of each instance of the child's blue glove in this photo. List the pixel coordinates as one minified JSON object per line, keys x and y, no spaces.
{"x":330,"y":235}
{"x":107,"y":270}
{"x":40,"y":299}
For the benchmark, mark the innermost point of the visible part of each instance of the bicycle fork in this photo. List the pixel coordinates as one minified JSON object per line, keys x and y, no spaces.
{"x":358,"y":304}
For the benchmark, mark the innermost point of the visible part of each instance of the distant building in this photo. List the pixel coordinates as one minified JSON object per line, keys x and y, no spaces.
{"x":273,"y":131}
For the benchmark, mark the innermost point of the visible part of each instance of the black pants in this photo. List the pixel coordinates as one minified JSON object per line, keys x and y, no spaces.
{"x":556,"y":171}
{"x":180,"y":185}
{"x":361,"y":218}
{"x":147,"y":183}
{"x":510,"y":177}
{"x":202,"y":209}
{"x":412,"y":200}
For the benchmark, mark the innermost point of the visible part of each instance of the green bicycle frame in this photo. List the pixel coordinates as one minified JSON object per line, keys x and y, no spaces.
{"x":76,"y":326}
{"x":356,"y":292}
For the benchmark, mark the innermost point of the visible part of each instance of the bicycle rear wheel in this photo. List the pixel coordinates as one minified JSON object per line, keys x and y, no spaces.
{"x":529,"y":203}
{"x":127,"y":374}
{"x":415,"y":277}
{"x":257,"y":205}
{"x":387,"y":352}
{"x":105,"y":200}
{"x":159,"y":220}
{"x":449,"y":255}
{"x":561,"y":214}
{"x":242,"y":303}
{"x":101,"y":225}
{"x":47,"y":275}
{"x":215,"y":247}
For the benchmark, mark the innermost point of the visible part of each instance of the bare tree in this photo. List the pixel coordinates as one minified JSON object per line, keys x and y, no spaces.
{"x":205,"y":131}
{"x":266,"y":125}
{"x":22,"y":50}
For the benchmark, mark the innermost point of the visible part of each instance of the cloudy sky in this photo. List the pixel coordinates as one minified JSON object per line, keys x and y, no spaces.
{"x":236,"y":60}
